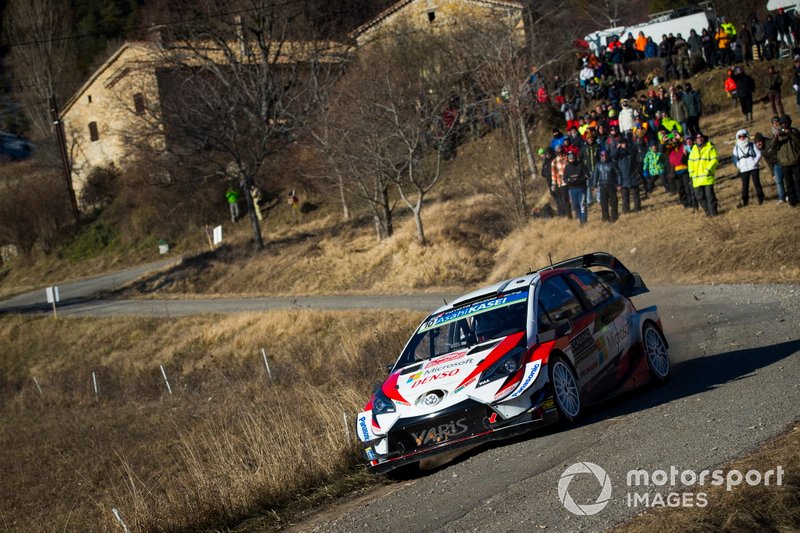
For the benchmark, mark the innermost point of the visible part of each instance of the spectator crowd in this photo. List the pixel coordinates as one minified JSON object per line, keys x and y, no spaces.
{"x":626,"y":146}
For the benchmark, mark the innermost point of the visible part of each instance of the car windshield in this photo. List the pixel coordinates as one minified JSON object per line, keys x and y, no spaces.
{"x":466,"y":326}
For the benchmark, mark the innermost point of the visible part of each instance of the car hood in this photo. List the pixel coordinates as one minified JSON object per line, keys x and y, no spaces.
{"x":438,"y":383}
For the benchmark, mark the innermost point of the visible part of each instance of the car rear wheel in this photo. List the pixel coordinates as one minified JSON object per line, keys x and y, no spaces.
{"x":566,"y":391}
{"x":656,"y":351}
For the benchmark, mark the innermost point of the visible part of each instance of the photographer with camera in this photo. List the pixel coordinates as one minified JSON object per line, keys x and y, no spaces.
{"x":786,"y":146}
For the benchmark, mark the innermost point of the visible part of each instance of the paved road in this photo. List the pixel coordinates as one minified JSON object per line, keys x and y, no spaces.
{"x":736,"y":355}
{"x":86,"y":298}
{"x":80,"y":291}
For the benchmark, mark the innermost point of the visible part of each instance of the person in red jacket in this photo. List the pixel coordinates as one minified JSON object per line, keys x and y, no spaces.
{"x":730,"y":88}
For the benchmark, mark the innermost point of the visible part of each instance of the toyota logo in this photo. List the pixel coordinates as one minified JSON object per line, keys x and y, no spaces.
{"x":431,"y":399}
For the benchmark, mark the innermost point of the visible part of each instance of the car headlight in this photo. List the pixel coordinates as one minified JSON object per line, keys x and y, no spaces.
{"x":381,"y":404}
{"x":503,"y":367}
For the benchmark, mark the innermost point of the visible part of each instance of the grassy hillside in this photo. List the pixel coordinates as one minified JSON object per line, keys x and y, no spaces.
{"x":229,"y":442}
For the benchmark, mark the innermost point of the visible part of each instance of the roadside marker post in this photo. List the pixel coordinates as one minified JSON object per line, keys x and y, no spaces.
{"x":266,"y":363}
{"x":217,"y":235}
{"x":164,"y":373}
{"x":94,"y":385}
{"x":53,"y":297}
{"x":119,"y":519}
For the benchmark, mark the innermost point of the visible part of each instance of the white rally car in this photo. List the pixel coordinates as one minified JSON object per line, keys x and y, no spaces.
{"x":512,"y":356}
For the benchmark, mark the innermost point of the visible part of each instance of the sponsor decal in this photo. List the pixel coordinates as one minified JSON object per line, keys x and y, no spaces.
{"x":465,"y":385}
{"x":548,"y":405}
{"x":370,"y":454}
{"x":617,"y":338}
{"x":446,"y":359}
{"x":530,"y":375}
{"x":447,"y":366}
{"x":413,"y":377}
{"x":441,"y":433}
{"x":418,"y":380}
{"x":474,"y":309}
{"x":582,"y":344}
{"x":362,"y":427}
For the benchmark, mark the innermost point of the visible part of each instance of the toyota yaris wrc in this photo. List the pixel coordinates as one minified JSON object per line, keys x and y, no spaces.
{"x":513,"y":356}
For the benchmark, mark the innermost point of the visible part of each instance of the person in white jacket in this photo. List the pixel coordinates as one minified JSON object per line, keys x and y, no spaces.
{"x":746,"y":157}
{"x":626,"y":120}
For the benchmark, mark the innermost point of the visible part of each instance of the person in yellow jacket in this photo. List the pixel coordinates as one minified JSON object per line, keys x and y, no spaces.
{"x":723,"y":39}
{"x":702,"y":166}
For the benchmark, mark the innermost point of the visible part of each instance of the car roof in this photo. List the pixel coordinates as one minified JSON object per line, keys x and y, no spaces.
{"x":491,"y":290}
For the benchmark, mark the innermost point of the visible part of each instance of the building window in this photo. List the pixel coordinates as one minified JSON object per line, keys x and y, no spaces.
{"x":431,"y":16}
{"x":138,"y":103}
{"x":89,"y":98}
{"x":93,"y":135}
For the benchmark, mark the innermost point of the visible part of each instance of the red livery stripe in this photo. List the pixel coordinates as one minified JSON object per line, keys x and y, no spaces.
{"x":499,"y":351}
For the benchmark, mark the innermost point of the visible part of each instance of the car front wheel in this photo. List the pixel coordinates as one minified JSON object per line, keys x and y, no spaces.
{"x":566,"y":391}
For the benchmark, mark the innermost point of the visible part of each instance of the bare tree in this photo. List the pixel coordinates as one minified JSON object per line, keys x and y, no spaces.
{"x":232,"y":92}
{"x":497,"y":56}
{"x":393,"y":119}
{"x":42,"y":63}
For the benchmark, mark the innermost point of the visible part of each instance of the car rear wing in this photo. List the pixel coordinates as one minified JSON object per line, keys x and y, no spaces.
{"x":628,"y":283}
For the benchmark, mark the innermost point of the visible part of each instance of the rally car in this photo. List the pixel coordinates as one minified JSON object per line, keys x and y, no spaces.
{"x":513,"y":356}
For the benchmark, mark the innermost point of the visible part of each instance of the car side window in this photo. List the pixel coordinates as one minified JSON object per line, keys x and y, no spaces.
{"x":593,"y":287}
{"x":557,"y":303}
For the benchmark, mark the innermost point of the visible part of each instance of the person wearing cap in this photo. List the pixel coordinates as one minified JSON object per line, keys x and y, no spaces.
{"x":771,"y":160}
{"x":678,"y":157}
{"x":786,"y":144}
{"x":653,"y":168}
{"x":575,"y":137}
{"x":606,"y":178}
{"x":558,"y":138}
{"x":773,"y":82}
{"x":576,"y":177}
{"x":702,"y":167}
{"x":745,"y":86}
{"x":626,"y":118}
{"x":746,"y":157}
{"x":558,"y":184}
{"x":547,"y":155}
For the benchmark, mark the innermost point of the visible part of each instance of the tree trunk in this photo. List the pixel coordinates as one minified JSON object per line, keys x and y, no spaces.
{"x":343,"y":198}
{"x":387,"y":213}
{"x":418,"y":220}
{"x":245,"y":184}
{"x":527,"y":144}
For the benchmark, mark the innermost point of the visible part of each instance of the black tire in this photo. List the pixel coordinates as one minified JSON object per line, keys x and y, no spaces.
{"x":656,"y":352}
{"x":566,"y":391}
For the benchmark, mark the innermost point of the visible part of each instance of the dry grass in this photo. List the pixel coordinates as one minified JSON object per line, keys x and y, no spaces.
{"x":228,"y":444}
{"x":760,"y":508}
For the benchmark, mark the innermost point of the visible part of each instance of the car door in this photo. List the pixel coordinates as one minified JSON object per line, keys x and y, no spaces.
{"x":564,"y":317}
{"x":610,"y":328}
